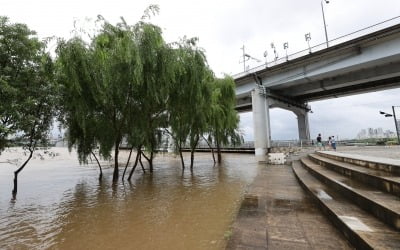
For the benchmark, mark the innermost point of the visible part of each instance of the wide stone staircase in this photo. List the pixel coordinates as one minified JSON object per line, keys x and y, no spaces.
{"x":360,"y":195}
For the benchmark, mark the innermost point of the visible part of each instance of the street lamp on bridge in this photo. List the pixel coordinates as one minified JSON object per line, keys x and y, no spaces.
{"x":308,"y":38}
{"x":285,"y":47}
{"x":323,"y":18}
{"x":247,"y":57}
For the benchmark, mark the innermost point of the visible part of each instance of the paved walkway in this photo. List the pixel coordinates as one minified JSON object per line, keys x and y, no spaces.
{"x":365,"y":156}
{"x":277,"y":214}
{"x":391,"y":152}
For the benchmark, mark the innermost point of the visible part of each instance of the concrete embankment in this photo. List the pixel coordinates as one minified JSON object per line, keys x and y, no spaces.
{"x":277,"y":214}
{"x":324,"y":200}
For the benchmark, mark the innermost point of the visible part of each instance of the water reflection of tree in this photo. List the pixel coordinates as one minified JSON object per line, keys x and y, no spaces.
{"x":76,"y":212}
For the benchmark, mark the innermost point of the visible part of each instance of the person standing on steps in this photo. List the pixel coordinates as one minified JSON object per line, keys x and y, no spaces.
{"x":333,"y":143}
{"x":319,"y":141}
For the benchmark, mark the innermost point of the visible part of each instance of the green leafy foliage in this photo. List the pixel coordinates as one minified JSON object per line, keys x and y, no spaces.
{"x":28,"y":91}
{"x":223,"y":119}
{"x":126,"y":82}
{"x":189,"y":95}
{"x":20,"y":60}
{"x":27,"y":88}
{"x":151,"y":95}
{"x":115,"y":87}
{"x":99,"y":81}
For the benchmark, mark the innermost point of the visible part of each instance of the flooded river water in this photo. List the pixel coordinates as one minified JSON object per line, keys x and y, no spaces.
{"x":62,"y":205}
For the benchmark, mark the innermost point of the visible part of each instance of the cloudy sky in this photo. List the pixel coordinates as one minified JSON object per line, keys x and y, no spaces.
{"x":223,"y":27}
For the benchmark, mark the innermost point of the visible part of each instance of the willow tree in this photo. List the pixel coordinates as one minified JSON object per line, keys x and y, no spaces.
{"x":135,"y":138}
{"x":27,"y":89}
{"x":82,"y":134}
{"x":223,"y":118}
{"x":189,"y":96}
{"x":99,"y":79}
{"x":152,"y":92}
{"x":199,"y":120}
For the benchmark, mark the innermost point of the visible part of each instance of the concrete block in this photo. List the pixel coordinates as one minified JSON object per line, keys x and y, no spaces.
{"x":276,"y":158}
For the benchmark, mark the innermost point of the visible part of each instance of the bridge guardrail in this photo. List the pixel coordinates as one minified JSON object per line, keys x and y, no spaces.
{"x":321,"y":46}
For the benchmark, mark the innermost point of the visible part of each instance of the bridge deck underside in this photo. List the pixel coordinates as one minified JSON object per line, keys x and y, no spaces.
{"x":370,"y":79}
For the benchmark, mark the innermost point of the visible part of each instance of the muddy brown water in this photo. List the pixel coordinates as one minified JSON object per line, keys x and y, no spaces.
{"x":62,"y":205}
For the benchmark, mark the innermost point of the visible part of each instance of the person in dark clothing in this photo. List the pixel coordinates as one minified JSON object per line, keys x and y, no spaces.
{"x":319,"y":141}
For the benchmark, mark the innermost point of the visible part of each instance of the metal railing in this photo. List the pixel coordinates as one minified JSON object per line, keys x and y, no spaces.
{"x":203,"y":145}
{"x":321,"y":46}
{"x":250,"y":144}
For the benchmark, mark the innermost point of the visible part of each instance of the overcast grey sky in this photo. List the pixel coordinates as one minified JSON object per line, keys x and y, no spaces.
{"x":224,"y":26}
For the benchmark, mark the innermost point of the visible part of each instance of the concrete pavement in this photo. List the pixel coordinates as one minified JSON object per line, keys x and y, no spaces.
{"x":277,"y":214}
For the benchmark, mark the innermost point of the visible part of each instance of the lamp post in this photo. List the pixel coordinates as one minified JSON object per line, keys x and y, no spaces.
{"x":266,"y":60}
{"x":323,"y":18}
{"x":247,"y":57}
{"x":285,"y":47}
{"x":275,"y":53}
{"x":395,"y":121}
{"x":308,"y":38}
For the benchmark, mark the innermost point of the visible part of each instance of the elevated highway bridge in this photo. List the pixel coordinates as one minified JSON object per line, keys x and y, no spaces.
{"x":364,"y":64}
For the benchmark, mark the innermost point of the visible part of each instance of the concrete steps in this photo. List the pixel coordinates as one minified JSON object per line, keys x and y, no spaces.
{"x":383,"y":180}
{"x":384,"y":164}
{"x":354,"y":198}
{"x":384,"y":206}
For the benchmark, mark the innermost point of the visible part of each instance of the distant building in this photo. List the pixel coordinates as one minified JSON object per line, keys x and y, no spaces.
{"x":389,"y":134}
{"x":371,"y":133}
{"x":378,"y":133}
{"x":362,"y":134}
{"x":375,"y":133}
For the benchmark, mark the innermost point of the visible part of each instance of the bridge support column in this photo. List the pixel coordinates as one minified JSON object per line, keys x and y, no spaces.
{"x":302,"y":122}
{"x":262,"y":131}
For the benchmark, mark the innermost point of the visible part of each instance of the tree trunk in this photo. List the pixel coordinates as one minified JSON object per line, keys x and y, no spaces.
{"x":191,"y":158}
{"x":134,"y":165}
{"x":15,"y":189}
{"x":212,"y":152}
{"x":211,"y":148}
{"x":151,"y":157}
{"x":98,"y":163}
{"x":116,"y":170}
{"x":141,"y":163}
{"x":127,"y":163}
{"x":182,"y":161}
{"x":193,"y":148}
{"x":151,"y":161}
{"x":219,"y":152}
